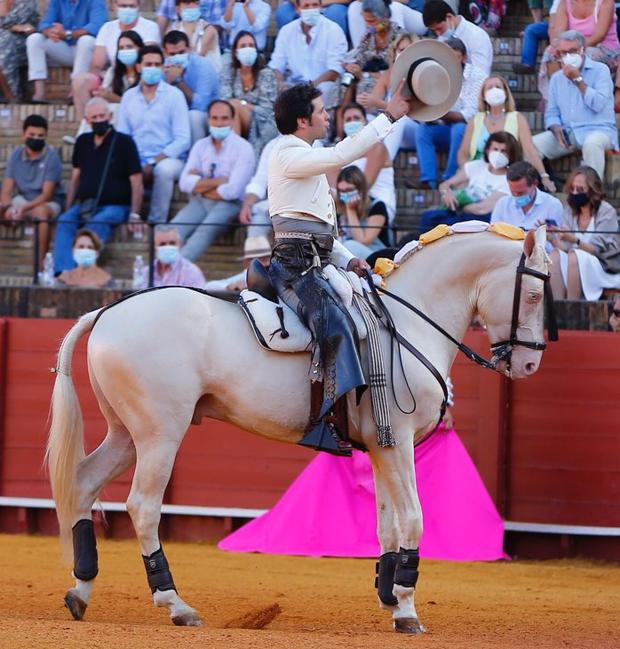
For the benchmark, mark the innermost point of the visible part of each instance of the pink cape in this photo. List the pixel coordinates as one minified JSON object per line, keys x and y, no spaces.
{"x":329,"y":510}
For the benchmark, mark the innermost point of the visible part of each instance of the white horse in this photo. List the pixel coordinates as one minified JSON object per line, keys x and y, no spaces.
{"x":163,"y":360}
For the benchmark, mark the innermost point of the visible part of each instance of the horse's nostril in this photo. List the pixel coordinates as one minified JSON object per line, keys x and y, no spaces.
{"x":530,"y":367}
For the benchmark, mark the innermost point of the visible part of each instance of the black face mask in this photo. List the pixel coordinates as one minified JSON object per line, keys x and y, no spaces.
{"x":100,"y":128}
{"x":578,"y":200}
{"x":35,"y":144}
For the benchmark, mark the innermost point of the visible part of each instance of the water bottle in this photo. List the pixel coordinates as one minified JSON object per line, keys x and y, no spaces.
{"x":138,"y":273}
{"x":48,"y":270}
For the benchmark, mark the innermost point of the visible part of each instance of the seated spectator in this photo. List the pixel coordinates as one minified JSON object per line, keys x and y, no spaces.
{"x":155,"y":115}
{"x":204,"y":39}
{"x":487,"y":13}
{"x":251,"y":87}
{"x":497,"y":112}
{"x":539,"y":30}
{"x":537,"y":7}
{"x":32,"y":186}
{"x":361,"y":219}
{"x":87,"y":273}
{"x":194,"y":76}
{"x":170,"y":267}
{"x":446,"y":134}
{"x":247,"y":16}
{"x":211,"y":11}
{"x":128,"y":18}
{"x":576,"y":271}
{"x":405,"y":15}
{"x":65,"y":37}
{"x":614,"y":317}
{"x":17,"y":20}
{"x":439,"y":17}
{"x":580,"y":112}
{"x":334,"y":10}
{"x":253,"y":248}
{"x":311,"y":48}
{"x":475,"y":189}
{"x":527,"y":207}
{"x":105,"y":187}
{"x":217,"y":171}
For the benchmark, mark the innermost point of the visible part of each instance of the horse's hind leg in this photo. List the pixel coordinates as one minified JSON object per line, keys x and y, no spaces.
{"x":153,"y":468}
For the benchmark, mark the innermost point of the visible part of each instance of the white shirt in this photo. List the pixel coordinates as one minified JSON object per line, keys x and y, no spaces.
{"x":299,"y":61}
{"x":482,"y":182}
{"x":545,"y":207}
{"x":467,"y":103}
{"x":239,"y":21}
{"x":478,"y":44}
{"x":109,"y":34}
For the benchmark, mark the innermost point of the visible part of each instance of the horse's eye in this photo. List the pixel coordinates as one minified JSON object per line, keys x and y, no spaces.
{"x":533,"y":297}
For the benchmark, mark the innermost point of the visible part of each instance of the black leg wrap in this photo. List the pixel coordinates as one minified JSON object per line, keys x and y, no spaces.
{"x":384,"y":582}
{"x":157,"y":572}
{"x":406,"y":573}
{"x":85,"y":564}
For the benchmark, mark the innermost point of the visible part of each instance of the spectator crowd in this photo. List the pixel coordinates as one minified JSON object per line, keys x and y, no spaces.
{"x":187,"y":101}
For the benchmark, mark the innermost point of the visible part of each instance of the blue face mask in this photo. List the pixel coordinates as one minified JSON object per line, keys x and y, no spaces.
{"x":522,"y":201}
{"x":190,"y":15}
{"x":85,"y":257}
{"x":349,"y":197}
{"x":167,"y":254}
{"x":179,"y":59}
{"x":310,"y":17}
{"x":127,"y":15}
{"x":127,"y":57}
{"x":220,"y":132}
{"x":247,"y":55}
{"x":151,"y":76}
{"x":449,"y":33}
{"x":351,"y":128}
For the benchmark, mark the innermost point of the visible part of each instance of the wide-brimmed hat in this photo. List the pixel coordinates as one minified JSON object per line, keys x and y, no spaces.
{"x":433,"y":78}
{"x":255,"y":247}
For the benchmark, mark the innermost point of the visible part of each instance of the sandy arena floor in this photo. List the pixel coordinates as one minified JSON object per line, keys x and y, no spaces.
{"x":314,"y":603}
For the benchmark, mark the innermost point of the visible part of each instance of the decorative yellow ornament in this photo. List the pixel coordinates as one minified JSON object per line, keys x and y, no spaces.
{"x":384,"y":266}
{"x":438,"y":232}
{"x":507,"y":230}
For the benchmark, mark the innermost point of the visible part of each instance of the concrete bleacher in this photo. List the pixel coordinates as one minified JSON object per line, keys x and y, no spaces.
{"x":16,"y":247}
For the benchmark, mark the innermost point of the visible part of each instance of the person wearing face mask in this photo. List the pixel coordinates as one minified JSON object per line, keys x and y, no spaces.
{"x":87,"y":273}
{"x":128,"y":18}
{"x":474,"y":190}
{"x":194,"y":76}
{"x":447,"y":133}
{"x":497,"y":112}
{"x":249,"y":16}
{"x":335,"y":10}
{"x":589,"y":229}
{"x":527,"y":207}
{"x":310,"y":49}
{"x":407,"y":15}
{"x":251,"y":87}
{"x":204,"y":38}
{"x":580,"y":111}
{"x":216,"y":174}
{"x":156,"y":116}
{"x":211,"y":11}
{"x":170,"y":268}
{"x":32,"y":185}
{"x":440,"y":18}
{"x":105,"y":189}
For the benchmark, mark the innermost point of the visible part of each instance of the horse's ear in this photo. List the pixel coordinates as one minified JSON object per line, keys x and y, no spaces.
{"x":535,"y":238}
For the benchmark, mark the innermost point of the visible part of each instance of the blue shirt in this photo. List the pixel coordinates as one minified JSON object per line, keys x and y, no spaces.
{"x":83,"y":14}
{"x":210,"y":10}
{"x":203,"y":81}
{"x":159,"y":126}
{"x":583,"y":114}
{"x":545,"y":207}
{"x":239,"y":21}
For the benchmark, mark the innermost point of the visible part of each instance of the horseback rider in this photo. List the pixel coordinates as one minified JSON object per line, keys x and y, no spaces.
{"x":303,"y":215}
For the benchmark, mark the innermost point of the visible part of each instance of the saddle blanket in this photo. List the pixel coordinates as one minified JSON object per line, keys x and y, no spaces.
{"x":278,"y":328}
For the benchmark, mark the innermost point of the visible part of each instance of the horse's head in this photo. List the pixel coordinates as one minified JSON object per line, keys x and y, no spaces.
{"x":511,"y":303}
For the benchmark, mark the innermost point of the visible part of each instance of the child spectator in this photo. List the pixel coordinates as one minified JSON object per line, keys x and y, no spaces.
{"x":87,"y":273}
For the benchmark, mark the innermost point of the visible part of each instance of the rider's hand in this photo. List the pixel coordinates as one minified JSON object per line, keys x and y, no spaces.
{"x":358,"y":266}
{"x":398,"y":105}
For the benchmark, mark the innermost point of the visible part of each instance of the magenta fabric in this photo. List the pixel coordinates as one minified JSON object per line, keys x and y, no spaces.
{"x":329,"y":510}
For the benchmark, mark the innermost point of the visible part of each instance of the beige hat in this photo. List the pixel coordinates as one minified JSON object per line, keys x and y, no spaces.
{"x":433,"y":77}
{"x":255,"y":247}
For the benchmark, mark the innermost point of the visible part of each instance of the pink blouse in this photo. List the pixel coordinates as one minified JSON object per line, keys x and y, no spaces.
{"x":587,"y":25}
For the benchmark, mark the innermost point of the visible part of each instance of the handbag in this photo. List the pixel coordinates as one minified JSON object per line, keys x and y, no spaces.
{"x":610,"y":260}
{"x":89,"y":206}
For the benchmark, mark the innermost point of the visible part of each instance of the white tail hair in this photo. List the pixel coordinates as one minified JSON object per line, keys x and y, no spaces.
{"x":65,"y":444}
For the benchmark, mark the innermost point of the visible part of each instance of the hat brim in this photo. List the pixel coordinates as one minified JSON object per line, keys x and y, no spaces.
{"x":266,"y":252}
{"x":427,"y":48}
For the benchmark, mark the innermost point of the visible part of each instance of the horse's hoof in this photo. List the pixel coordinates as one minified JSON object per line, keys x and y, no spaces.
{"x":191,"y":618}
{"x":410,"y":625}
{"x":75,"y":604}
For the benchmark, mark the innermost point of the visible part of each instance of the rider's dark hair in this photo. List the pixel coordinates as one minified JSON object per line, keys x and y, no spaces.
{"x":293,"y":104}
{"x":523,"y":169}
{"x":435,"y":12}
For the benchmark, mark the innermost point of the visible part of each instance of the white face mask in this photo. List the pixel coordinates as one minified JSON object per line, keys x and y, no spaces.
{"x":498,"y":159}
{"x":573,"y":59}
{"x":495,"y":96}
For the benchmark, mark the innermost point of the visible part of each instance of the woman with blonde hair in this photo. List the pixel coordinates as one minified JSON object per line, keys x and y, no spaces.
{"x":497,"y":112}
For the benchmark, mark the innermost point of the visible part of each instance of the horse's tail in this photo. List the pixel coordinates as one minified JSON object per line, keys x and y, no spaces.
{"x":65,"y":444}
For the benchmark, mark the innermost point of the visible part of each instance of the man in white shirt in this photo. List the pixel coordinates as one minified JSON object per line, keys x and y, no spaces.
{"x":311,"y":48}
{"x":304,"y":219}
{"x":439,"y":17}
{"x":527,"y":207}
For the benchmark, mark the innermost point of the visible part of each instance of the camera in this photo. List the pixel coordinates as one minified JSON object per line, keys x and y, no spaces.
{"x":347,"y":79}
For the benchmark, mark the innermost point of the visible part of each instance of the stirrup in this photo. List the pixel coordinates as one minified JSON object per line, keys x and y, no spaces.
{"x":323,"y":437}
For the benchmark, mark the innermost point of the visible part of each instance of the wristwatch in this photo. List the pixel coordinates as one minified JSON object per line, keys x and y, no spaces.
{"x":244,"y":102}
{"x":68,"y":34}
{"x":178,"y":81}
{"x":390,"y":117}
{"x":578,"y":79}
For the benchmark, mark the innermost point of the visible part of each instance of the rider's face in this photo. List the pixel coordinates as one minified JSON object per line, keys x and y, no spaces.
{"x":318,"y":125}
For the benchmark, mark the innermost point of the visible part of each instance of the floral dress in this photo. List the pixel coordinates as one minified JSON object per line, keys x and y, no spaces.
{"x":13,"y":46}
{"x":372,"y":59}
